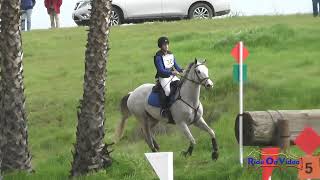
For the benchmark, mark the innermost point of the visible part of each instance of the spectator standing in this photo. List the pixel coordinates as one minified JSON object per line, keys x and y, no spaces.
{"x":26,"y":10}
{"x":316,"y":10}
{"x":53,"y":8}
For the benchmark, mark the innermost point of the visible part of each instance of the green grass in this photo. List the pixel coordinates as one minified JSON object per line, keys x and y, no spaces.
{"x":283,"y":73}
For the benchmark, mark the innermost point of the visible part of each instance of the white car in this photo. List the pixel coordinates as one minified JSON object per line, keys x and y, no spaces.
{"x":131,"y":10}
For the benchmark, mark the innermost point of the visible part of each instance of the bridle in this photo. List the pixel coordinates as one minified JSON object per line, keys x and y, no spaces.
{"x":200,"y":81}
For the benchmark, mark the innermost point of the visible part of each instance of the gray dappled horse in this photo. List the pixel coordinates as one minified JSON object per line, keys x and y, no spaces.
{"x":186,"y":109}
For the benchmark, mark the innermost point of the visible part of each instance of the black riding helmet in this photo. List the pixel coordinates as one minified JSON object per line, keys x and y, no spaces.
{"x":162,"y":40}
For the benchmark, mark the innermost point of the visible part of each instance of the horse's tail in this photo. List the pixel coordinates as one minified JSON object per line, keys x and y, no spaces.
{"x":125,"y":114}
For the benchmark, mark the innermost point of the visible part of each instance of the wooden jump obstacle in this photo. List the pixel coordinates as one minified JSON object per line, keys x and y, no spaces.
{"x":276,"y":127}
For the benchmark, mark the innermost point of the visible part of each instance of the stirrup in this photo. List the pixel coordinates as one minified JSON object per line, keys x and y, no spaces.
{"x":164,"y":112}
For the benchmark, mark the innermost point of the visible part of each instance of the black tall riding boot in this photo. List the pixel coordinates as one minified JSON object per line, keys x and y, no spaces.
{"x":168,"y":112}
{"x":164,"y":106}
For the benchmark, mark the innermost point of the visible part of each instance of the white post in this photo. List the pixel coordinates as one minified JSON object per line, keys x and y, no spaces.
{"x":241,"y":103}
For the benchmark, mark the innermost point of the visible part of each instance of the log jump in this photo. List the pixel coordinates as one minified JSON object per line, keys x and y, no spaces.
{"x":276,"y":127}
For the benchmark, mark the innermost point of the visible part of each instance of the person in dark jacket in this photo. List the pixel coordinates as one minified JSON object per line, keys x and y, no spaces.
{"x":167,"y":69}
{"x":26,"y":12}
{"x":316,"y":10}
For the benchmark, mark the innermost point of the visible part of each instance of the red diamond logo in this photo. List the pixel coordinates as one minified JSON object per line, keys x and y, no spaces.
{"x":236,"y":54}
{"x":308,"y":140}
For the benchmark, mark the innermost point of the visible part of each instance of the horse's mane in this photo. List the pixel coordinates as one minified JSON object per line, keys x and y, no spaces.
{"x":186,"y":74}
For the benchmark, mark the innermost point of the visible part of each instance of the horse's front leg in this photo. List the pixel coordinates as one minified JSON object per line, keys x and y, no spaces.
{"x":185,"y":129}
{"x":203,"y":126}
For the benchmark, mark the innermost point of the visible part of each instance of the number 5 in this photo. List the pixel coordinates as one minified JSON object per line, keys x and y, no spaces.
{"x":309,"y":168}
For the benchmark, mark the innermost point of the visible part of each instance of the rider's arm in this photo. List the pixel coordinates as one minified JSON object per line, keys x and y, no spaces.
{"x":160,"y":67}
{"x":177,"y":67}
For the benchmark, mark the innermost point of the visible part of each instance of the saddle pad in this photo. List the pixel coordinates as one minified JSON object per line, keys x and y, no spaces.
{"x":154,"y":100}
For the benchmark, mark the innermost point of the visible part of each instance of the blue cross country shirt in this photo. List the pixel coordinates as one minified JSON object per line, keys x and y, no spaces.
{"x":164,"y":64}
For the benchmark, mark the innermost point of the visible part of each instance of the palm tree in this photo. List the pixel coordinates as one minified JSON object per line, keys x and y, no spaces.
{"x":91,"y":153}
{"x":13,"y":121}
{"x":1,"y":95}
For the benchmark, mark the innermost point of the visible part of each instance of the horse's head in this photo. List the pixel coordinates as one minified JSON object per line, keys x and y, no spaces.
{"x":201,"y":74}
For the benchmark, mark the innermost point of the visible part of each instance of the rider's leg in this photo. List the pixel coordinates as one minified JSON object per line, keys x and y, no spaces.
{"x":173,"y":87}
{"x":167,"y":89}
{"x":163,"y":99}
{"x":165,"y":84}
{"x":164,"y":105}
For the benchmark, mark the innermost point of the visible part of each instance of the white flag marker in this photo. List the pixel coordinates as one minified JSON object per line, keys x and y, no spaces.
{"x":162,"y":164}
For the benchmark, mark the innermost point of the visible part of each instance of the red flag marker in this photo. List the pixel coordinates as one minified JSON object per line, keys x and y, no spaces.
{"x":236,"y":53}
{"x":268,"y":156}
{"x":308,"y":140}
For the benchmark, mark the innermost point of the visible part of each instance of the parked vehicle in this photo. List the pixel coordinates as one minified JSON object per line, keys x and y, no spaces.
{"x":124,"y":11}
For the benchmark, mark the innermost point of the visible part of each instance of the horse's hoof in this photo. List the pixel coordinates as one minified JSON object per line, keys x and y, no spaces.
{"x":185,"y":154}
{"x":154,"y":150}
{"x":157,"y":147}
{"x":214,"y":155}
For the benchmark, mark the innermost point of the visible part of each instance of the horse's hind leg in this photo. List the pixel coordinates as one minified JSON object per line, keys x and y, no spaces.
{"x":147,"y":133}
{"x":185,"y":129}
{"x":154,"y":122}
{"x":203,"y":126}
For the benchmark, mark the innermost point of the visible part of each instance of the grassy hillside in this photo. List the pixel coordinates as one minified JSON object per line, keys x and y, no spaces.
{"x":283,"y":72}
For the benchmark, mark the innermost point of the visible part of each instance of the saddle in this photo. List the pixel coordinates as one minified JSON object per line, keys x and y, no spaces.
{"x":158,"y":89}
{"x":173,"y":88}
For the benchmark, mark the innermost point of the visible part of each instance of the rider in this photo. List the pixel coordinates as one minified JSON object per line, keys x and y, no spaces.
{"x":167,"y":69}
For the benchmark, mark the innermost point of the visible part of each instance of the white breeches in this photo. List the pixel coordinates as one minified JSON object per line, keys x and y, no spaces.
{"x":165,"y":83}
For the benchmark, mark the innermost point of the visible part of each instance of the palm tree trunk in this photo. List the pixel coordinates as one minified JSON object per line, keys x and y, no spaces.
{"x":1,"y":95}
{"x":91,"y":153}
{"x":13,"y":121}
